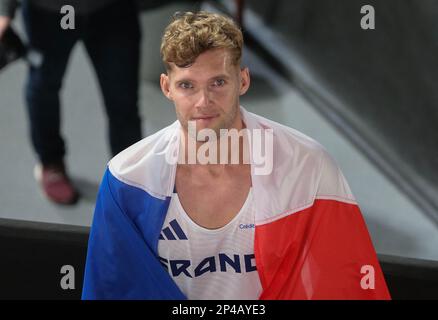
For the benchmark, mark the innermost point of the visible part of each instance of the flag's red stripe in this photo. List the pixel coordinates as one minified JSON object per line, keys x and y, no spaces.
{"x":318,"y":253}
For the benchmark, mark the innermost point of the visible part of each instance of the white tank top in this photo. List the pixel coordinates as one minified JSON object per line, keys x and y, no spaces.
{"x":211,"y":264}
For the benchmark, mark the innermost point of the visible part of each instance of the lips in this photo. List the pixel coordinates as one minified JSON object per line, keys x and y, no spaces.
{"x":205,"y":117}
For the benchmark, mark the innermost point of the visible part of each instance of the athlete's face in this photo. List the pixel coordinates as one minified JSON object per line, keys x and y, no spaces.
{"x":207,"y":91}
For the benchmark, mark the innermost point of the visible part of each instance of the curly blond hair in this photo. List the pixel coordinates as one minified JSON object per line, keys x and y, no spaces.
{"x":191,"y":34}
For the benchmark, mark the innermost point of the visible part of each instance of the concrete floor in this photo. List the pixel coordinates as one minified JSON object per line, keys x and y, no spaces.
{"x":396,"y":225}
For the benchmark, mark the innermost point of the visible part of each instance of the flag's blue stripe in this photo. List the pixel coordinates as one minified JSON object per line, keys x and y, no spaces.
{"x":122,"y":260}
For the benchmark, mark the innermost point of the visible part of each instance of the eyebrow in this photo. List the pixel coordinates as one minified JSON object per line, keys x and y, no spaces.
{"x":221,"y":76}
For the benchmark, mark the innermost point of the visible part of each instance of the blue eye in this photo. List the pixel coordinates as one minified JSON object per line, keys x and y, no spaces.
{"x":219,"y":82}
{"x":185,"y":85}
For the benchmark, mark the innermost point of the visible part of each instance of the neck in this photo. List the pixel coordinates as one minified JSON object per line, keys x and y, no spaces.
{"x":228,"y":149}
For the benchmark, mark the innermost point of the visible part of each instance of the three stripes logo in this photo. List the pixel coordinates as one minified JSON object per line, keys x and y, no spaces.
{"x":177,"y":234}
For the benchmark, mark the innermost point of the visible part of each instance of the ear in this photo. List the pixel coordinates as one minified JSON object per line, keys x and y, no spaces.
{"x":244,"y":81}
{"x":165,"y":86}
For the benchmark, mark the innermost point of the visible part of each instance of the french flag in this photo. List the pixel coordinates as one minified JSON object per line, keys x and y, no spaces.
{"x":311,"y":241}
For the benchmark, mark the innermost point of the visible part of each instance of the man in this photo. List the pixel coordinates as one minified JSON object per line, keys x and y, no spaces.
{"x":111,"y":35}
{"x":177,"y":218}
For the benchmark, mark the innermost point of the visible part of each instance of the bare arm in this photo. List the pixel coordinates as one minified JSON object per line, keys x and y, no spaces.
{"x":4,"y":24}
{"x":7,"y":10}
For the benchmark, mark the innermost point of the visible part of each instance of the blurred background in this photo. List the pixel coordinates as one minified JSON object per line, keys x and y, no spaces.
{"x":368,"y":96}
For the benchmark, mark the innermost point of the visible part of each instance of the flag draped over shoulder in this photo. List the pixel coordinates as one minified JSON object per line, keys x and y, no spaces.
{"x":311,"y":241}
{"x":121,"y":264}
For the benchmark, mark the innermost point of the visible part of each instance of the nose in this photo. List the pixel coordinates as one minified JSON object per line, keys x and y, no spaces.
{"x":203,"y":98}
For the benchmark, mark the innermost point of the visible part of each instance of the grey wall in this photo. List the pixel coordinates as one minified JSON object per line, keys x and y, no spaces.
{"x":153,"y":23}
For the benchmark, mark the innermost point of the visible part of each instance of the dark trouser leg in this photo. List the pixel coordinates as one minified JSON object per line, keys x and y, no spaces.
{"x":112,"y":39}
{"x":50,"y":47}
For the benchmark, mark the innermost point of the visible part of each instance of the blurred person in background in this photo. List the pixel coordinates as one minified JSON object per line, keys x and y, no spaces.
{"x":111,"y":35}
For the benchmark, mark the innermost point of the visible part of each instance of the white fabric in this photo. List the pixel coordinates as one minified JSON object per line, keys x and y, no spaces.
{"x":182,"y":252}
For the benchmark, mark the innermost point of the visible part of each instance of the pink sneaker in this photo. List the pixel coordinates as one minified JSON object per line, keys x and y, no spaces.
{"x":55,"y":183}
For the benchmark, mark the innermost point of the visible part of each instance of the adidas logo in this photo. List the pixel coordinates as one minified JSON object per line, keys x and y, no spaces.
{"x":177,"y":234}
